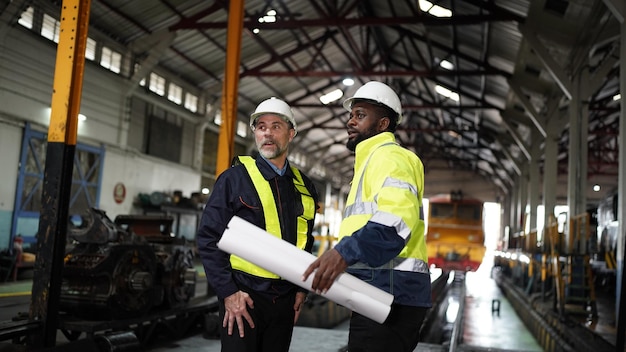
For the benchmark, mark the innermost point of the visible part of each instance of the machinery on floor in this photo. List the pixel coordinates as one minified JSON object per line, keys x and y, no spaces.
{"x":125,"y":268}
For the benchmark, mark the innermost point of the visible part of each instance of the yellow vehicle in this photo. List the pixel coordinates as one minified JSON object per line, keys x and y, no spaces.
{"x":455,"y":236}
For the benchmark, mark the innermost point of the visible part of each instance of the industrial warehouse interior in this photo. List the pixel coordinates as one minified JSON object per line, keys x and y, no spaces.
{"x":513,"y":107}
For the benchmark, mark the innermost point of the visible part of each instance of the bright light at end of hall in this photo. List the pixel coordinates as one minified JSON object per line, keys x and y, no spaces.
{"x":348,"y":82}
{"x":434,"y":10}
{"x":596,"y":188}
{"x":332,"y":96}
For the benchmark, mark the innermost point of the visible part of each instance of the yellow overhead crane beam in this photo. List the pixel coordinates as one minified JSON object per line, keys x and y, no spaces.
{"x":57,"y":183}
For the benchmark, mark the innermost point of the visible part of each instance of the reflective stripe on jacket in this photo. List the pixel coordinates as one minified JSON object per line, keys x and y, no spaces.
{"x":270,"y":213}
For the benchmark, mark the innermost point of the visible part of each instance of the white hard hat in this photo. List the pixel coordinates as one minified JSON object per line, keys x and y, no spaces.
{"x":378,"y":92}
{"x":274,"y":106}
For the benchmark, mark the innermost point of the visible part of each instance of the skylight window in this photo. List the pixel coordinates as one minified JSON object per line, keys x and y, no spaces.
{"x":434,"y":10}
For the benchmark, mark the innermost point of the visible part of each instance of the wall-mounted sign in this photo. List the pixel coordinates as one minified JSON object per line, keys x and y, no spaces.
{"x":119,"y":192}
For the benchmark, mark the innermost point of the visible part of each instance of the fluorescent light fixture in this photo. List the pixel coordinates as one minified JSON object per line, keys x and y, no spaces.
{"x":617,"y":97}
{"x":434,"y":10}
{"x":270,"y":17}
{"x":446,"y":64}
{"x":447,"y":93}
{"x":348,"y":82}
{"x":332,"y":96}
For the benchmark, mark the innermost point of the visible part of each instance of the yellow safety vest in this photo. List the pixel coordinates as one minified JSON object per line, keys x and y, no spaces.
{"x":404,"y":186}
{"x":270,"y":212}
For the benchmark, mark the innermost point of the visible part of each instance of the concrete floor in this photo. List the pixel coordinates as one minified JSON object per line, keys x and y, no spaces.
{"x":483,"y":330}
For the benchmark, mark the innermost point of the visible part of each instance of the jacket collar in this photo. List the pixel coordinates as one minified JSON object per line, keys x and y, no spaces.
{"x":366,"y":147}
{"x":268,"y":172}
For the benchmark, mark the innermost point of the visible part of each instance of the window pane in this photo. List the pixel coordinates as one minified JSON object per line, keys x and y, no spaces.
{"x":90,"y":50}
{"x":157,"y":84}
{"x":175,"y":93}
{"x":191,"y":102}
{"x":26,"y":19}
{"x":48,"y":27}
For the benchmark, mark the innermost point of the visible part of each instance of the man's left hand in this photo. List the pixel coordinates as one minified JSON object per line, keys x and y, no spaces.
{"x":327,"y":268}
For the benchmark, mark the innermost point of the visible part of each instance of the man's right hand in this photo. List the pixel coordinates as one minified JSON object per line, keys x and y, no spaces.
{"x":236,"y":309}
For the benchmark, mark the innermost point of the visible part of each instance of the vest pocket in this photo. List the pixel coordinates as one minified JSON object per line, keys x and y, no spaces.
{"x":249,"y":203}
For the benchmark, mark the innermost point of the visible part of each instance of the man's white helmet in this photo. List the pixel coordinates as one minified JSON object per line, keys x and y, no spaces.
{"x":378,"y":92}
{"x":274,"y":106}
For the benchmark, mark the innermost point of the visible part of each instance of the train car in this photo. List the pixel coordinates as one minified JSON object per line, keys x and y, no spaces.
{"x":455,"y":236}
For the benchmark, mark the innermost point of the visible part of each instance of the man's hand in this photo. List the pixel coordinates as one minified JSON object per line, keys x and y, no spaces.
{"x":326,"y":268}
{"x":300,"y":299}
{"x":236,"y":306}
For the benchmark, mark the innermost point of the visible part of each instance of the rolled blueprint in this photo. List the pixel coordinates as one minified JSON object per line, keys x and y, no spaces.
{"x":286,"y":260}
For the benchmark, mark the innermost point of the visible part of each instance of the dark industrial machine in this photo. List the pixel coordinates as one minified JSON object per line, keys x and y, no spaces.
{"x":125,"y":268}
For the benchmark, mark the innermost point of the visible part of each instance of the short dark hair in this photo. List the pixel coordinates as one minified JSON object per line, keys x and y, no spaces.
{"x":385,"y":111}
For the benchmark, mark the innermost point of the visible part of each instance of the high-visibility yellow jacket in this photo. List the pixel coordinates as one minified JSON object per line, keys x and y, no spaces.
{"x":270,"y":212}
{"x":382,"y":233}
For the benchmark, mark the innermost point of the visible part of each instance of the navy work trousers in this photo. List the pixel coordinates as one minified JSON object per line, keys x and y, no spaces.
{"x":399,"y":333}
{"x":273,"y":320}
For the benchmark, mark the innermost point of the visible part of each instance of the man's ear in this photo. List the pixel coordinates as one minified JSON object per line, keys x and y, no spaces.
{"x":383,"y":123}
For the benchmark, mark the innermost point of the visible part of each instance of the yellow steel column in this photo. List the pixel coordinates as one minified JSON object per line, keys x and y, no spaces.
{"x":62,"y":132}
{"x":226,"y":140}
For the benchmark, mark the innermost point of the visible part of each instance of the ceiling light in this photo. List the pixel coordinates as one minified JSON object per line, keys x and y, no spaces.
{"x":447,"y":93}
{"x":446,"y":64}
{"x":439,"y":11}
{"x":434,"y":10}
{"x":332,"y":96}
{"x":256,"y":31}
{"x":82,"y":117}
{"x":348,"y":82}
{"x":270,"y":17}
{"x":617,"y":97}
{"x":596,"y":188}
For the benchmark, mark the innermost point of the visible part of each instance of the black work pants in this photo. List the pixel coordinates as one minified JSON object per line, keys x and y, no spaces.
{"x":273,"y":326}
{"x":399,"y":333}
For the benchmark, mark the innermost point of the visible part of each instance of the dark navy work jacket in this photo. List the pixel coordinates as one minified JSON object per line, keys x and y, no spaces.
{"x":234,"y":194}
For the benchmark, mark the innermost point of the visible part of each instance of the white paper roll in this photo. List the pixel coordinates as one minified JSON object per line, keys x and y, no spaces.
{"x":286,"y":260}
